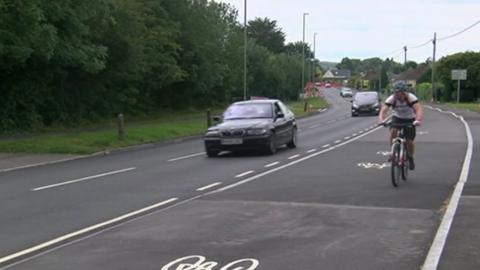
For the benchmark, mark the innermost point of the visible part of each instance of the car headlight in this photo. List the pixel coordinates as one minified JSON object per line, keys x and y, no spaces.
{"x":256,"y":132}
{"x":376,"y":105}
{"x":212,"y":133}
{"x":355,"y":106}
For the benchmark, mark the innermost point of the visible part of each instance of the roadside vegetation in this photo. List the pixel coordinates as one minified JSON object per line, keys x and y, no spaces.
{"x":104,"y":137}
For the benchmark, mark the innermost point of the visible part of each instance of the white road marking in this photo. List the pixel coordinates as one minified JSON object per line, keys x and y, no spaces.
{"x":436,"y":249}
{"x":83,"y":179}
{"x":272,"y":164}
{"x":337,"y":141}
{"x":361,"y":131}
{"x":243,"y":174}
{"x":209,"y":186}
{"x":293,"y":157}
{"x":354,"y":134}
{"x":366,"y":129}
{"x":326,"y":145}
{"x":83,"y":231}
{"x":346,"y":138}
{"x":189,"y":156}
{"x":311,"y":150}
{"x":290,"y":164}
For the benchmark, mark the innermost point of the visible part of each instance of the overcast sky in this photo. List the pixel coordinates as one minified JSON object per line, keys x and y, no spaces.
{"x":369,"y":28}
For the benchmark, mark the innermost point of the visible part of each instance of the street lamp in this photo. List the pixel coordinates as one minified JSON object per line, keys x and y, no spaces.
{"x":314,"y":50}
{"x":245,"y":52}
{"x":303,"y":52}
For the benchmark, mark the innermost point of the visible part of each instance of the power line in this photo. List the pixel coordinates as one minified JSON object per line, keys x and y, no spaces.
{"x":421,"y":45}
{"x":458,"y":33}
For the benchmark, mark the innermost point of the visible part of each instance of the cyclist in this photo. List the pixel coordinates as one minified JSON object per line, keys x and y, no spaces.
{"x":406,"y":109}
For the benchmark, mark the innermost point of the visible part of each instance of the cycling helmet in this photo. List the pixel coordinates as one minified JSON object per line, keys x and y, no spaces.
{"x":400,"y":86}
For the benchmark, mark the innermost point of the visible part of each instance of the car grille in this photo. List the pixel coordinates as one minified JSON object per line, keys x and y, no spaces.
{"x":233,"y":133}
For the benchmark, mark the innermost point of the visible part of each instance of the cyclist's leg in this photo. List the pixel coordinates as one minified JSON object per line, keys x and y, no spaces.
{"x":410,"y":136}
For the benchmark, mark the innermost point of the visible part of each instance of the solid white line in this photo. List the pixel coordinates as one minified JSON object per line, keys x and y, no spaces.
{"x":272,"y":164}
{"x":83,"y":179}
{"x":293,"y":157}
{"x":82,"y":231}
{"x":185,"y":157}
{"x":291,"y":163}
{"x":311,"y":151}
{"x":337,"y":141}
{"x":326,"y":145}
{"x":436,"y":249}
{"x":209,"y":186}
{"x":243,"y":174}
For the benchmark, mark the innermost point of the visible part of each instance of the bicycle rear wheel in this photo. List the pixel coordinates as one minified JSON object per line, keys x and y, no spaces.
{"x":405,"y":166}
{"x":396,"y":168}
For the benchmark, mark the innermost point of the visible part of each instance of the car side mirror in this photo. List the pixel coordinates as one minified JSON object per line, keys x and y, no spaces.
{"x":279,"y":115}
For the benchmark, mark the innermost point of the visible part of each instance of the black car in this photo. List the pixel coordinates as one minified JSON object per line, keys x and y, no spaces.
{"x":367,"y":102}
{"x":254,"y":124}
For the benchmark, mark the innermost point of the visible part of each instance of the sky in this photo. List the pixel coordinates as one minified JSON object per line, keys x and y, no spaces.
{"x":372,"y":28}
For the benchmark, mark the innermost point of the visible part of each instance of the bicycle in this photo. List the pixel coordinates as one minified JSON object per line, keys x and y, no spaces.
{"x":399,"y":153}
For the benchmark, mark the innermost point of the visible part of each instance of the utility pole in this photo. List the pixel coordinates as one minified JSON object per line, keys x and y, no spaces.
{"x":314,"y":53}
{"x":380,"y":79}
{"x":245,"y":52}
{"x":405,"y":50}
{"x":303,"y":54}
{"x":434,"y":91}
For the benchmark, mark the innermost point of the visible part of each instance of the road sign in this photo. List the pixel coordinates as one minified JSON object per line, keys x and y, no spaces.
{"x":459,"y":74}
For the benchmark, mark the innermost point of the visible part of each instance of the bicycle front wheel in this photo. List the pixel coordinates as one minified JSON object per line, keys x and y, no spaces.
{"x":396,"y":167}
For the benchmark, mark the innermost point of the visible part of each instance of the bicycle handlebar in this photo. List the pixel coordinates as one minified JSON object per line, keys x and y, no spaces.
{"x":396,"y":125}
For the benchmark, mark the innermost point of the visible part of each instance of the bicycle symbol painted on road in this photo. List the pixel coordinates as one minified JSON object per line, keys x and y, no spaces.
{"x":197,"y":262}
{"x":371,"y":165}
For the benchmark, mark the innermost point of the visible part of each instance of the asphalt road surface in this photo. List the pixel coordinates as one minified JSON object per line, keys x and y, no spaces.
{"x":328,"y":204}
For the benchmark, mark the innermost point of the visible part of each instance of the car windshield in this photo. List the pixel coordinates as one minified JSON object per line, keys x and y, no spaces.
{"x":247,"y":111}
{"x":366,"y":97}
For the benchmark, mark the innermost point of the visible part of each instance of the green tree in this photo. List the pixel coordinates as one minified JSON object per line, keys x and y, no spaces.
{"x":267,"y":34}
{"x":465,"y":60}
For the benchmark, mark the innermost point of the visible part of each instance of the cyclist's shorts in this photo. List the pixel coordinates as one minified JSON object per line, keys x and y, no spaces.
{"x":409,"y":132}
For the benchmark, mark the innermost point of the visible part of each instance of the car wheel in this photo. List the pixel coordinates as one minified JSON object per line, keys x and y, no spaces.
{"x":271,"y":147}
{"x":212,"y":153}
{"x":293,"y":142}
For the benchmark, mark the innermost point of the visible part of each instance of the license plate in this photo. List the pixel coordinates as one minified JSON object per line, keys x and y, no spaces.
{"x":231,"y":141}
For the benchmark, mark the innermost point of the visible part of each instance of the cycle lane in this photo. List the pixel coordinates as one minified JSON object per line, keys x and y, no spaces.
{"x":324,"y":211}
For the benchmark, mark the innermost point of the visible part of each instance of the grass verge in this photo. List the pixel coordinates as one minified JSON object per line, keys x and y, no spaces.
{"x":96,"y":138}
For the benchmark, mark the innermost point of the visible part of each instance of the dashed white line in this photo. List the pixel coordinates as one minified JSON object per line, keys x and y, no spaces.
{"x":361,"y":131}
{"x":83,"y":231}
{"x":209,"y":186}
{"x":354,"y":134}
{"x":347,"y":138}
{"x":365,"y":129}
{"x":326,"y":145}
{"x":294,"y":156}
{"x":337,"y":141}
{"x":272,"y":164}
{"x":311,"y":151}
{"x":185,"y":157}
{"x":83,"y":179}
{"x":243,"y":174}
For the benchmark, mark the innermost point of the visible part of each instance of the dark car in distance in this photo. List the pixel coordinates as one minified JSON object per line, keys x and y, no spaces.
{"x":367,"y":102}
{"x":256,"y":125}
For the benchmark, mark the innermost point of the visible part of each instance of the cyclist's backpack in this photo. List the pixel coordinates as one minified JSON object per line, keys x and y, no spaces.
{"x":394,"y":103}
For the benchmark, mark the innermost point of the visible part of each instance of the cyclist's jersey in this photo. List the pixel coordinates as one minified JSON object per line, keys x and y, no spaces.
{"x":402,"y":109}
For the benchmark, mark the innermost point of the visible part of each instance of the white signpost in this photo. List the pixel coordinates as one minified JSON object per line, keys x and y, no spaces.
{"x":459,"y":74}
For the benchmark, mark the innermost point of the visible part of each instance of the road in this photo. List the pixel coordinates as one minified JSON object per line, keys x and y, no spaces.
{"x":327,"y":204}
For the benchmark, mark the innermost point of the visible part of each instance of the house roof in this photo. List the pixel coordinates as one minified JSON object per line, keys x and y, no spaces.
{"x":413,"y":74}
{"x":370,"y":75}
{"x":337,"y":74}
